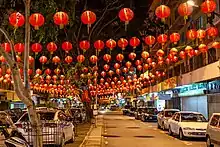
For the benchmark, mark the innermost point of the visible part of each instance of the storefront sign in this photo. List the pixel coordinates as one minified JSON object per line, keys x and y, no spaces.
{"x":169,"y":83}
{"x":192,"y":89}
{"x":214,"y":87}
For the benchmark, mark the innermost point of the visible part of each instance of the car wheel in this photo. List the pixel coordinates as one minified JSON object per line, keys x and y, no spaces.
{"x":170,"y":131}
{"x":62,"y":141}
{"x":158,"y":126}
{"x":163,"y":127}
{"x":73,"y":137}
{"x":181,"y":136}
{"x":208,"y":142}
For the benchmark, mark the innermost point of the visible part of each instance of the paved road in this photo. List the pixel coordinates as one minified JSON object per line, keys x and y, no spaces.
{"x":124,"y":131}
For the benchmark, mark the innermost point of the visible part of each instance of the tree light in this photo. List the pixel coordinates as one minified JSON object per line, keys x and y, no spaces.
{"x":192,"y":3}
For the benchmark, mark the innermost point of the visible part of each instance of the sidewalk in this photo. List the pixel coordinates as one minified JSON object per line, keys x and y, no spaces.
{"x":94,"y":136}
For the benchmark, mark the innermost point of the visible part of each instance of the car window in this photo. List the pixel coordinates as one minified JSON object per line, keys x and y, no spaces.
{"x":24,"y":118}
{"x":47,"y":115}
{"x":177,"y":118}
{"x":169,"y":113}
{"x":62,"y":116}
{"x":215,"y":120}
{"x":173,"y":118}
{"x":192,"y":117}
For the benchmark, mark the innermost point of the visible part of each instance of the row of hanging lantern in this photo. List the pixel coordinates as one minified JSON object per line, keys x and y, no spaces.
{"x":61,"y":19}
{"x":186,"y":9}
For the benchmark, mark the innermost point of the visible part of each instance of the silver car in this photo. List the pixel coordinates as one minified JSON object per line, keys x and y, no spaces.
{"x":163,"y":116}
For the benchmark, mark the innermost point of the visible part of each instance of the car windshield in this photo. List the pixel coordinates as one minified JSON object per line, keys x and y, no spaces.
{"x":192,"y":117}
{"x":133,"y":109}
{"x":47,"y":115}
{"x":169,"y":113}
{"x":150,"y":111}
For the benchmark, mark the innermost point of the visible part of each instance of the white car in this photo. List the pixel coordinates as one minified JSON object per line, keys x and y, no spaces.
{"x":57,"y":130}
{"x":164,"y":116}
{"x":188,"y":124}
{"x":213,"y":131}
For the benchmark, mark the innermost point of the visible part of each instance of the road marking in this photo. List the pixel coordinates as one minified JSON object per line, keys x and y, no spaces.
{"x":187,"y":143}
{"x":162,"y":132}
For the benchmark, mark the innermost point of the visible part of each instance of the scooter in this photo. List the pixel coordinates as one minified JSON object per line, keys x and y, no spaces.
{"x":14,"y":138}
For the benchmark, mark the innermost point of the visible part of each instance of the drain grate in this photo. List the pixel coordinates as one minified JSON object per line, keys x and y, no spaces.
{"x":144,"y":136}
{"x":133,"y":127}
{"x":109,"y":135}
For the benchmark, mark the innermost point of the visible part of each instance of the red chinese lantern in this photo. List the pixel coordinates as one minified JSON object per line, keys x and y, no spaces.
{"x":160,"y":58}
{"x":16,"y":19}
{"x":149,"y":60}
{"x":216,"y":45}
{"x":103,"y":74}
{"x":118,"y":71}
{"x":2,"y":59}
{"x":212,"y":32}
{"x":51,"y":47}
{"x":175,"y":59}
{"x":36,"y":48}
{"x":19,"y":47}
{"x":36,"y":20}
{"x":201,"y":34}
{"x":30,"y":71}
{"x":84,"y":45}
{"x":18,"y":59}
{"x":47,"y":71}
{"x":57,"y":71}
{"x":80,"y":58}
{"x":122,"y":43}
{"x":191,"y":34}
{"x":149,"y":40}
{"x":85,"y":70}
{"x":107,"y":57}
{"x":188,"y":49}
{"x":56,"y":59}
{"x":93,"y":59}
{"x":117,"y":66}
{"x":110,"y":73}
{"x":31,"y":60}
{"x":67,"y":46}
{"x":106,"y":67}
{"x":6,"y":47}
{"x":99,"y":45}
{"x":185,"y":10}
{"x":173,"y":51}
{"x":203,"y":48}
{"x":208,"y":6}
{"x":138,"y":62}
{"x":145,"y":55}
{"x":132,"y":56}
{"x":61,"y":19}
{"x":39,"y":71}
{"x":146,"y":66}
{"x":120,"y":57}
{"x":134,"y":42}
{"x":68,"y":59}
{"x":162,"y":39}
{"x":162,"y":12}
{"x":160,"y":53}
{"x":128,"y":64}
{"x":43,"y":59}
{"x":126,"y":15}
{"x":174,"y":38}
{"x":139,"y":67}
{"x":111,"y":44}
{"x":125,"y":70}
{"x":88,"y":18}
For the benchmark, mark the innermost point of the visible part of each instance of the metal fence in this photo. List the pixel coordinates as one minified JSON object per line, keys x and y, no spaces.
{"x":52,"y":132}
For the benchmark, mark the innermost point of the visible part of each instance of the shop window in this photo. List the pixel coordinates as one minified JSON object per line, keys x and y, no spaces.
{"x":215,"y":120}
{"x":211,"y":55}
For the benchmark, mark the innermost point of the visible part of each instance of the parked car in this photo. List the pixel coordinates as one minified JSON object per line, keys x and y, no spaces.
{"x":137,"y":113}
{"x":131,"y":111}
{"x":164,"y":116}
{"x":149,"y":114}
{"x":78,"y":114}
{"x":57,"y":129}
{"x":125,"y":109}
{"x":188,"y":124}
{"x":213,"y":131}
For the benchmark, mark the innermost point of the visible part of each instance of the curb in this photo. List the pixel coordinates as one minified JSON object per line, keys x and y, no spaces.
{"x":87,"y":135}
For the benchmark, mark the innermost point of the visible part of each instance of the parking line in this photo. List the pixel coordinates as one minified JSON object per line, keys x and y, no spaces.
{"x":187,"y":143}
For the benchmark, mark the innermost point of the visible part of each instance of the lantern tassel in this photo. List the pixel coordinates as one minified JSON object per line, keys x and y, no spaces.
{"x":88,"y":27}
{"x":126,"y":25}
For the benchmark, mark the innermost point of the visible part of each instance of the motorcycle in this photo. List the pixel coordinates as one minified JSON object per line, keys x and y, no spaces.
{"x":13,"y":138}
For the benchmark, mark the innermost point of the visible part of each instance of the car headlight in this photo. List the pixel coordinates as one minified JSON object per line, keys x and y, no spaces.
{"x":188,"y":128}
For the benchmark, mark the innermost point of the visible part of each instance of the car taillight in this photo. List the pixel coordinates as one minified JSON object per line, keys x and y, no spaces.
{"x":18,"y":125}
